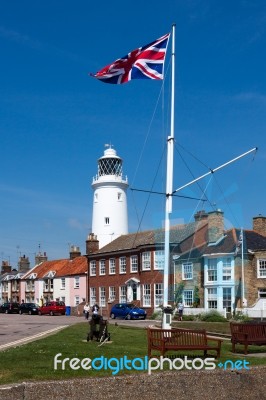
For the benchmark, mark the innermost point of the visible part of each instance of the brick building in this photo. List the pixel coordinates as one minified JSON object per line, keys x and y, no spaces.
{"x":130,"y":268}
{"x":206,"y":267}
{"x":228,"y":271}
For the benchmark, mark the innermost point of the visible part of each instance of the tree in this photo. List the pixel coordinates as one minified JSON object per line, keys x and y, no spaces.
{"x":179,"y":293}
{"x":196,"y":301}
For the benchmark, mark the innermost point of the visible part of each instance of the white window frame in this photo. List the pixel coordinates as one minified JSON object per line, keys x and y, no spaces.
{"x":227,"y":269}
{"x":76,"y":300}
{"x":159,"y":259}
{"x":133,"y":263}
{"x":93,"y":268}
{"x":46,"y":285}
{"x":212,"y":298}
{"x":261,"y":268}
{"x":29,"y":286}
{"x":122,"y":265}
{"x":111,"y":266}
{"x":146,"y":260}
{"x":63,"y":284}
{"x":188,"y":295}
{"x":92,"y":296}
{"x":102,"y":269}
{"x":102,"y":296}
{"x":262,"y":292}
{"x":146,"y":288}
{"x":122,"y":294}
{"x":187,"y":271}
{"x":158,"y":294}
{"x":212,"y":270}
{"x":112,"y":293}
{"x":227,"y":301}
{"x":76,"y":282}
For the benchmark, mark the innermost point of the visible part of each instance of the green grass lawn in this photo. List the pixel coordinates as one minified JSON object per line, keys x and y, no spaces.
{"x":217,"y":327}
{"x":35,"y":361}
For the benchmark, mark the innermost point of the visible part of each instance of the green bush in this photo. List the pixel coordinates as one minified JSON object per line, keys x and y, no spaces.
{"x":156,"y":315}
{"x":212,"y":316}
{"x":239,"y":316}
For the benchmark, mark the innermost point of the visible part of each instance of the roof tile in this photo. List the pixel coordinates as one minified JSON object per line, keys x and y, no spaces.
{"x":64,"y":267}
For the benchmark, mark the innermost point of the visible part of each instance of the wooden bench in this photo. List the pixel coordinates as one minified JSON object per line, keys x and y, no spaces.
{"x":248,"y":334}
{"x":175,"y":339}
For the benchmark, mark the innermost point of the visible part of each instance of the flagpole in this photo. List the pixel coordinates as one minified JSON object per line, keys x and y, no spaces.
{"x":169,"y":192}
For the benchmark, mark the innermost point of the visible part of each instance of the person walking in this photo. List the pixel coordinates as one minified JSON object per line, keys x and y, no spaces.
{"x":180,"y":311}
{"x":86,"y":310}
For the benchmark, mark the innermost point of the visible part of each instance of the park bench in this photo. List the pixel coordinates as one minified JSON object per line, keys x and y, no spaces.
{"x":248,"y":334}
{"x":176,"y":339}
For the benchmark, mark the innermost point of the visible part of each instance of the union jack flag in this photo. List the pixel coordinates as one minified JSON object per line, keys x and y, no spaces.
{"x":146,"y":62}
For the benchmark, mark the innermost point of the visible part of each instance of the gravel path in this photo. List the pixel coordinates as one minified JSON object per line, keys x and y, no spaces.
{"x":185,"y":385}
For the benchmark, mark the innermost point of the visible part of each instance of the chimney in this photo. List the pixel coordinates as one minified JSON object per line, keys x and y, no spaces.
{"x":23,"y":264}
{"x":39,"y":258}
{"x":215,"y":225}
{"x":5,"y":267}
{"x":92,"y":244}
{"x":259,"y":225}
{"x":200,"y":216}
{"x":74,"y":252}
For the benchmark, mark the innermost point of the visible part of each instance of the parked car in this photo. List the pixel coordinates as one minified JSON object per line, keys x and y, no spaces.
{"x":127,"y":311}
{"x":28,"y":308}
{"x":9,"y":308}
{"x":52,"y":308}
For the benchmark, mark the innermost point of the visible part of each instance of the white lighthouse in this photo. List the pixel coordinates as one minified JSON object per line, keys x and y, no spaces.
{"x":109,"y":212}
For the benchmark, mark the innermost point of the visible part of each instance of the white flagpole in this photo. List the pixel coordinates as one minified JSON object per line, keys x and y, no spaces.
{"x":169,"y":191}
{"x":244,"y":300}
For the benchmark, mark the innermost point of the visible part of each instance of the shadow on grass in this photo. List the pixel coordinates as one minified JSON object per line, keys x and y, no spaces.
{"x":35,"y":361}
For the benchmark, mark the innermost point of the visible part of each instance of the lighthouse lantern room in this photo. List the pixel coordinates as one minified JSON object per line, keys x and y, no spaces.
{"x":109,"y":212}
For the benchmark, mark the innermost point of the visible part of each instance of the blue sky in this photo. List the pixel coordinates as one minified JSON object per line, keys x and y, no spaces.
{"x":55,"y":119}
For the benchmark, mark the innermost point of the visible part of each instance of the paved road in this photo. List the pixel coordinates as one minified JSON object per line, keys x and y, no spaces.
{"x":17,"y":329}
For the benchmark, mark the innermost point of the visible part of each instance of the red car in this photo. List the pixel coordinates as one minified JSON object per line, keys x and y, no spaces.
{"x":52,"y":308}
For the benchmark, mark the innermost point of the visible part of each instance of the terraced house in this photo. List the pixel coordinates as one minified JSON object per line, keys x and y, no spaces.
{"x":131,"y":267}
{"x":64,"y":280}
{"x":10,"y":280}
{"x":211,"y":268}
{"x":228,"y":271}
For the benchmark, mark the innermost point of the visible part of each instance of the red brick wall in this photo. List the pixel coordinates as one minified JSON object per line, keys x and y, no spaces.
{"x":145,"y":277}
